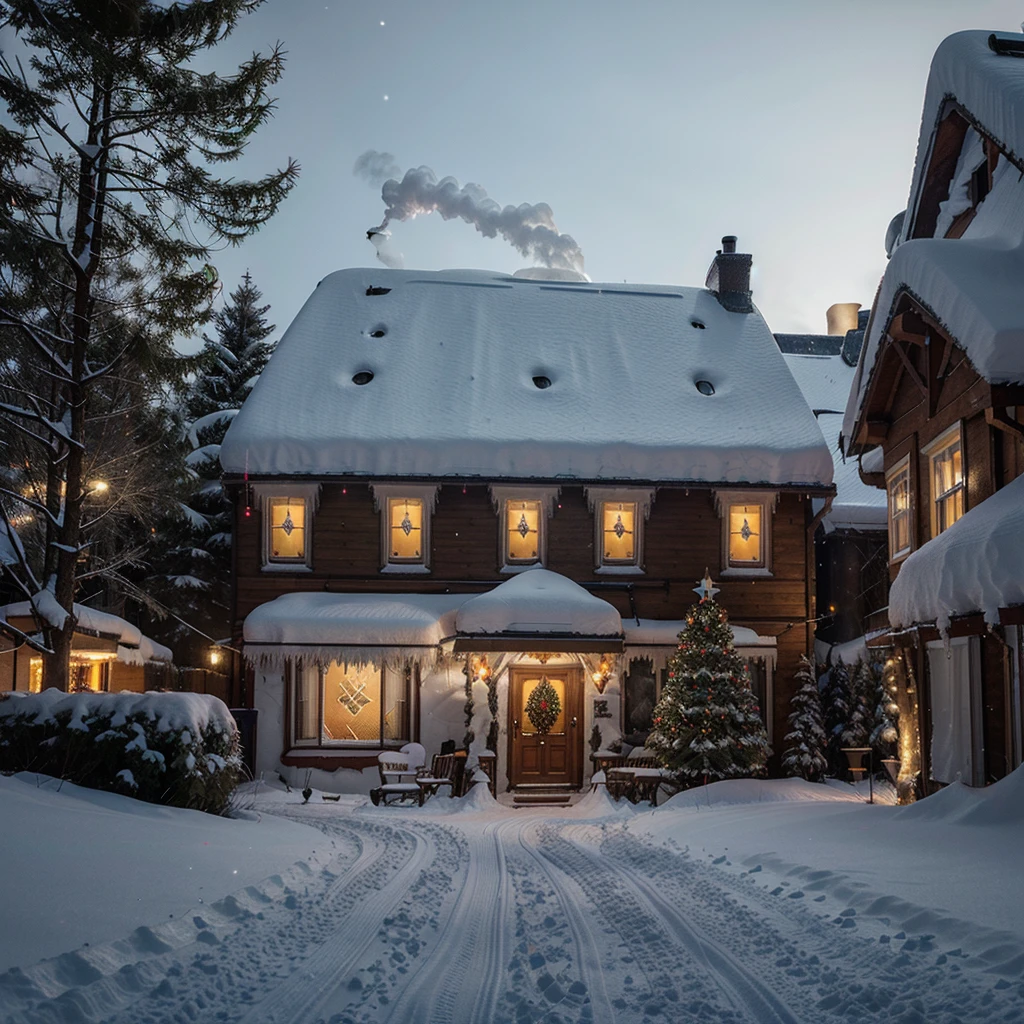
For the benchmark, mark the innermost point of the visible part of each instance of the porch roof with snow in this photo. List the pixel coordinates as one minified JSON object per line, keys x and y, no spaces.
{"x":538,"y":610}
{"x":976,"y":565}
{"x":969,"y":286}
{"x":484,"y":375}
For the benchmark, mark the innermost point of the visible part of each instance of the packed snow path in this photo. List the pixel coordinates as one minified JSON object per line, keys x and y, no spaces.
{"x":511,"y":917}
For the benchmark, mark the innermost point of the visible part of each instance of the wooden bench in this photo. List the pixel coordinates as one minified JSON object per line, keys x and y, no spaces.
{"x":397,"y":779}
{"x":441,"y":774}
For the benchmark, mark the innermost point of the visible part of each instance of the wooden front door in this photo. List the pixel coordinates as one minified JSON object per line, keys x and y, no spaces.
{"x":554,"y":757}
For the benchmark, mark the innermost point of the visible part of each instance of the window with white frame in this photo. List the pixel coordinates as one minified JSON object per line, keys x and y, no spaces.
{"x":946,"y":479}
{"x":746,"y":531}
{"x":619,"y":516}
{"x":405,"y":511}
{"x":287,"y":511}
{"x":351,"y":705}
{"x":523,"y":514}
{"x":897,"y":485}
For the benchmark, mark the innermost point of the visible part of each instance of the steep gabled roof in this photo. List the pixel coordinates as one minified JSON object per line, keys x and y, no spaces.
{"x":969,"y":286}
{"x":482,"y":375}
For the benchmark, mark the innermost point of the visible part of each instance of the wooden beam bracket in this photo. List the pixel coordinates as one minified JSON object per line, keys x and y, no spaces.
{"x":1000,"y":419}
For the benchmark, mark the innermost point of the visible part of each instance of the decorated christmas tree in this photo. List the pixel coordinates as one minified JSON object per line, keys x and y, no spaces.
{"x":804,"y":756}
{"x":707,"y":725}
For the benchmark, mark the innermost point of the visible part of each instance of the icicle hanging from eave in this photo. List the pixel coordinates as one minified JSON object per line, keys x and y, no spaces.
{"x":276,"y":656}
{"x":659,"y":656}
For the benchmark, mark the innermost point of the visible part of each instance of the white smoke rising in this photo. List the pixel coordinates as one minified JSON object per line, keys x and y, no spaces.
{"x":376,"y":167}
{"x":528,"y":228}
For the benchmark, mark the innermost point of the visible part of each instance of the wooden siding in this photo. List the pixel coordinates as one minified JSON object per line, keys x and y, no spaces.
{"x":683,"y":537}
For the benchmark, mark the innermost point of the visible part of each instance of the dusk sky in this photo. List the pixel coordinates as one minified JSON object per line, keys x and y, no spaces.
{"x":650,"y":128}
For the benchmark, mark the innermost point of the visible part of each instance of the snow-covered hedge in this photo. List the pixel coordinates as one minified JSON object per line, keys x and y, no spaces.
{"x":180,"y":749}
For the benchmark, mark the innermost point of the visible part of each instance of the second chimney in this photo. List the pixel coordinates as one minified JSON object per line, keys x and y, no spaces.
{"x":729,"y":277}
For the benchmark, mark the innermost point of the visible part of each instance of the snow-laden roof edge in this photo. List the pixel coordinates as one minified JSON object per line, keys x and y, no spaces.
{"x":477,"y":375}
{"x":977,"y":565}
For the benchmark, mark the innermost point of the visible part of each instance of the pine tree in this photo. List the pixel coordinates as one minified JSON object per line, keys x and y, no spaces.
{"x":115,"y":129}
{"x":805,"y":754}
{"x":859,"y":720}
{"x":706,"y":724}
{"x":191,"y":555}
{"x":835,"y":706}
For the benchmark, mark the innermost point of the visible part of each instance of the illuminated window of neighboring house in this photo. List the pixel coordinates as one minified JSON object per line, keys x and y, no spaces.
{"x":86,"y":673}
{"x":351,"y":705}
{"x":897,"y":484}
{"x":746,"y":531}
{"x":287,"y":518}
{"x":946,"y":463}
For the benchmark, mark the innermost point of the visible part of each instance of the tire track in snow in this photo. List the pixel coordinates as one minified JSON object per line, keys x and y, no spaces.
{"x":460,"y":982}
{"x":589,"y":952}
{"x":744,"y":990}
{"x":301,"y":995}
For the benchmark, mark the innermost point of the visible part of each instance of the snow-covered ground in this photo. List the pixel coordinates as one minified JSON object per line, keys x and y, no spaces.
{"x":743,"y":902}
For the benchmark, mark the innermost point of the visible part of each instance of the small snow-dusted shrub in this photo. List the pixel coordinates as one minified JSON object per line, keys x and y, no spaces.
{"x":180,"y":749}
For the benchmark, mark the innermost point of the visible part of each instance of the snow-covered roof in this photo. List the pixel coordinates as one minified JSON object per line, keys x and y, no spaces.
{"x":479,"y":374}
{"x":657,"y":639}
{"x":989,"y":87}
{"x":977,"y":565}
{"x":318,"y":628}
{"x":971,"y":286}
{"x":134,"y":647}
{"x":825,"y":382}
{"x":539,"y":601}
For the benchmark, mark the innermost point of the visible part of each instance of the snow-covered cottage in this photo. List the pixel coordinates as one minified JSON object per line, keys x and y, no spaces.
{"x":108,"y":654}
{"x":452,"y":485}
{"x":939,"y":388}
{"x":851,"y":551}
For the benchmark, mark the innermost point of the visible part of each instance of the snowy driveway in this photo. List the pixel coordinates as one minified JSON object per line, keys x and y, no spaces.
{"x":508,"y":916}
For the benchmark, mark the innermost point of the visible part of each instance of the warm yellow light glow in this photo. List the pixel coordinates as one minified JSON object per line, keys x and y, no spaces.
{"x":99,"y":486}
{"x":405,"y":529}
{"x":287,"y":529}
{"x":618,"y":533}
{"x":523,"y":530}
{"x":215,"y":657}
{"x":745,"y":535}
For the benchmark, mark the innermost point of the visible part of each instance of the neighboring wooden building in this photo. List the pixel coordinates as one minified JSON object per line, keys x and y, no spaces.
{"x":851,"y":543}
{"x":939,"y":387}
{"x":108,"y":654}
{"x":450,"y":486}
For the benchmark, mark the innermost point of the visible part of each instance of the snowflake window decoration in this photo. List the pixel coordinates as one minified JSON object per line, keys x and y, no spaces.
{"x":619,"y":528}
{"x":746,"y":533}
{"x":289,"y":524}
{"x":406,"y":525}
{"x":352,"y":698}
{"x":524,"y":526}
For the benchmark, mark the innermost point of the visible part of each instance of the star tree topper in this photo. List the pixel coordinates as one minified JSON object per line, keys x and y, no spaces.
{"x":706,"y":587}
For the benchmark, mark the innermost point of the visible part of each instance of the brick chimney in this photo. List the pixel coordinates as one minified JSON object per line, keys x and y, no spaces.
{"x":729,"y":277}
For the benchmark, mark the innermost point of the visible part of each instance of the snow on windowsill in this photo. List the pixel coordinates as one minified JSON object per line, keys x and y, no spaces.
{"x":406,"y":570}
{"x":285,"y":567}
{"x":736,"y":572}
{"x":619,"y":570}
